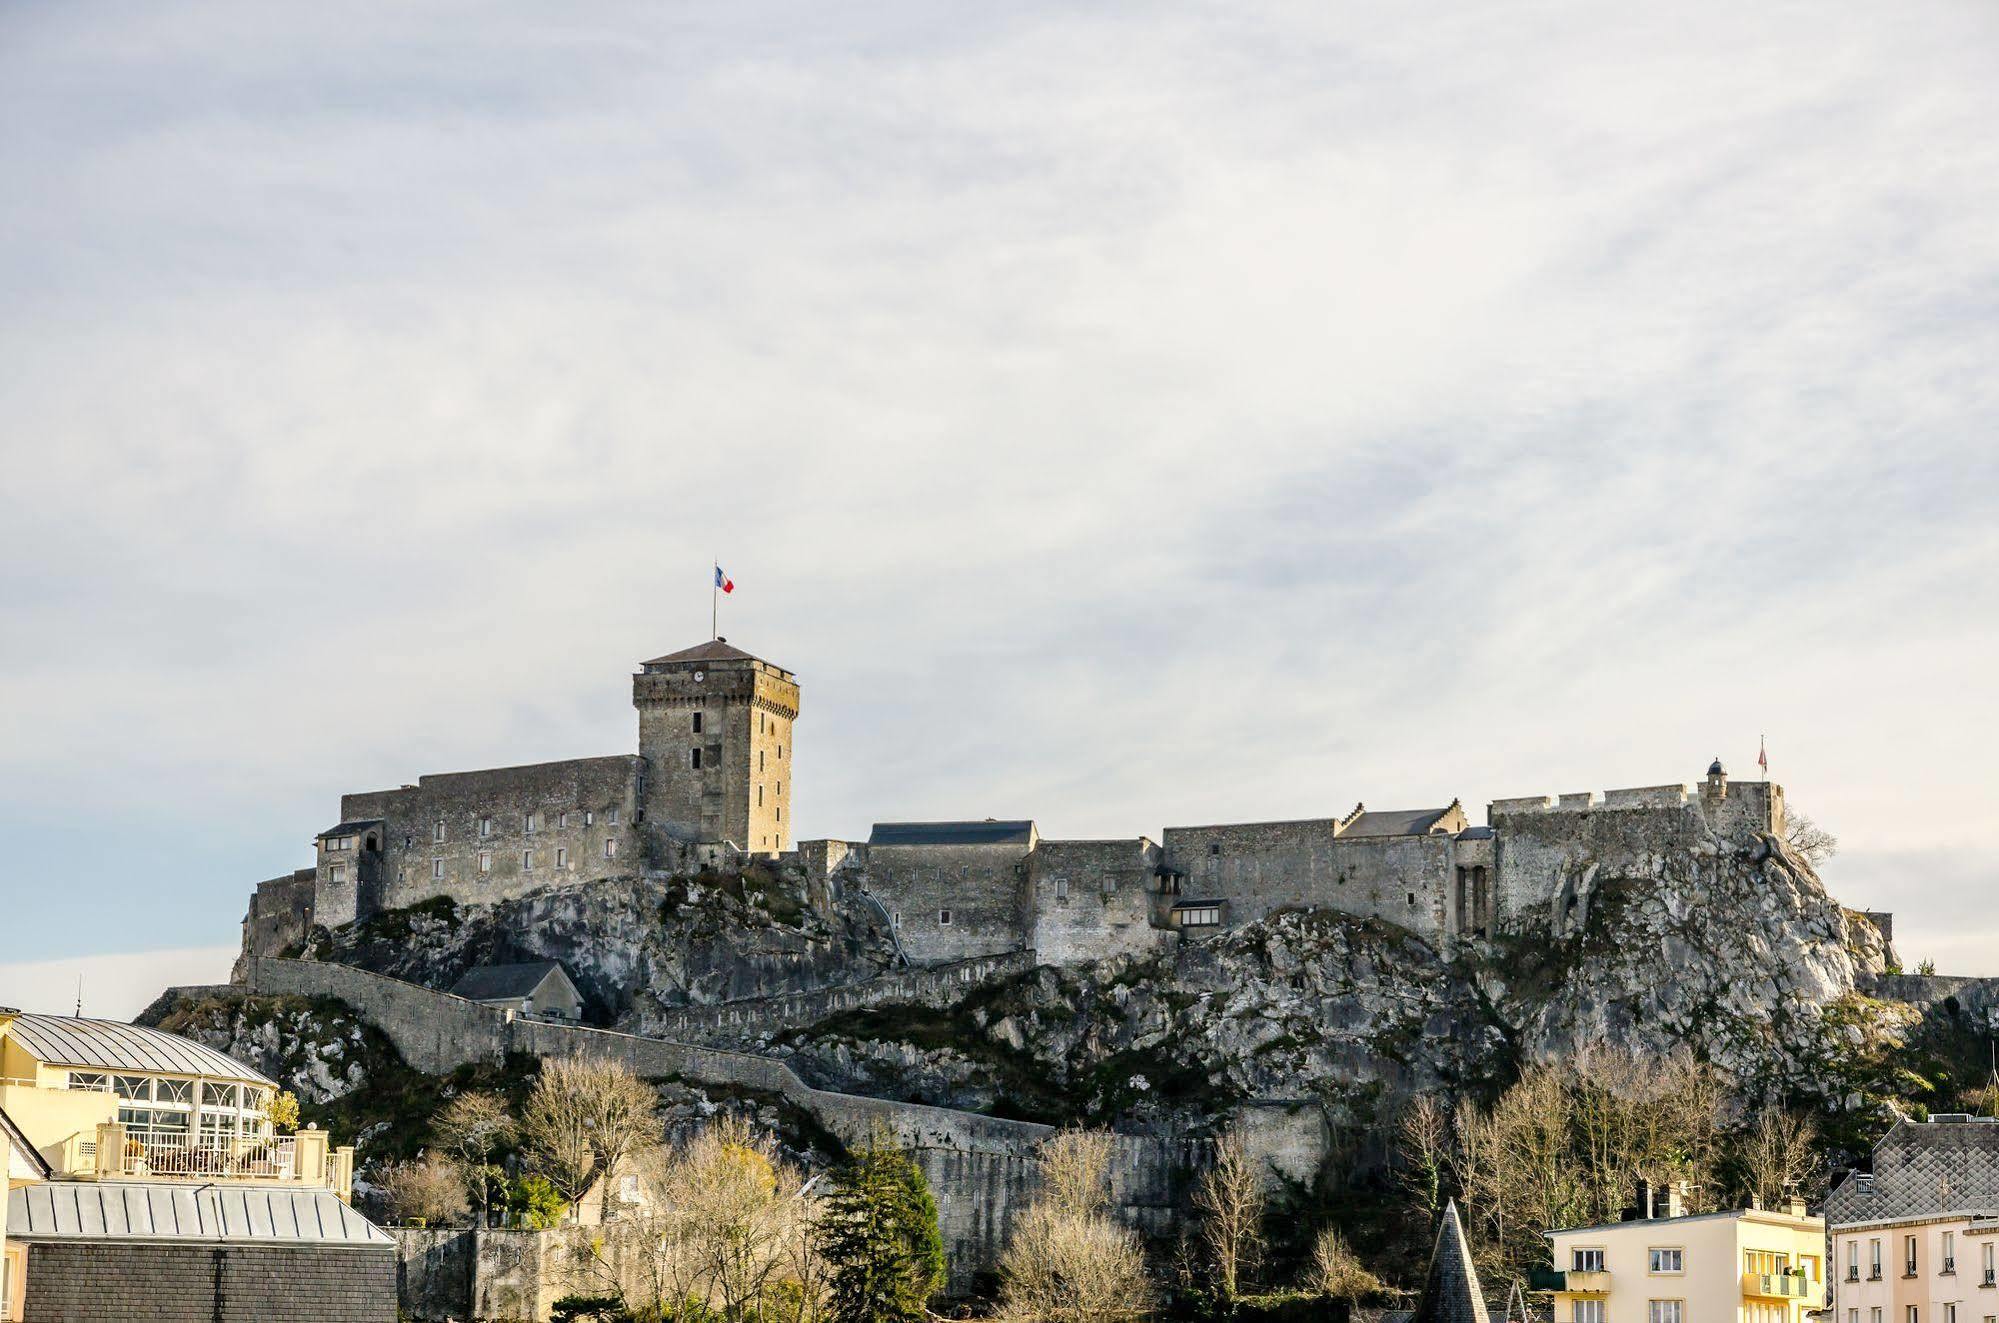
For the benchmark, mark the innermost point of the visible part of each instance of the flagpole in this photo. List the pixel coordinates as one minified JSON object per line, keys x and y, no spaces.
{"x":715,"y":600}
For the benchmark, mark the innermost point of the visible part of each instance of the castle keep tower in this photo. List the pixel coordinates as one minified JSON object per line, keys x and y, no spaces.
{"x":715,"y":739}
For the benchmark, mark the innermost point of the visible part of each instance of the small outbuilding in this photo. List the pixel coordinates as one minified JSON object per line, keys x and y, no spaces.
{"x":540,"y":987}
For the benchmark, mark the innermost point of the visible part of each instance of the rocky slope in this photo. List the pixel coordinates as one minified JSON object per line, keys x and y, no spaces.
{"x":634,"y":944}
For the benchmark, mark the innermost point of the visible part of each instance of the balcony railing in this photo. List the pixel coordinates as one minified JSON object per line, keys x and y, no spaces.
{"x":1575,"y":1281}
{"x":1776,"y":1285}
{"x":176,"y":1157}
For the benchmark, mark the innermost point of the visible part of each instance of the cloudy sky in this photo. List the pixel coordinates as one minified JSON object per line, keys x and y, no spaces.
{"x":1117,"y":414}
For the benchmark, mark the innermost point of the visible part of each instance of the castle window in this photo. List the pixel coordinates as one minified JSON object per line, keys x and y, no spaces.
{"x":944,"y":918}
{"x":697,"y":723}
{"x":562,"y":856}
{"x":561,"y":820}
{"x":760,"y":796}
{"x":485,"y":862}
{"x":339,"y":842}
{"x":897,"y":919}
{"x":437,"y":832}
{"x":1061,"y":888}
{"x":760,"y":760}
{"x":337,"y":873}
{"x":780,"y":813}
{"x":1214,"y":848}
{"x":610,"y":849}
{"x":613,"y":819}
{"x":437,"y":868}
{"x":527,"y":822}
{"x":408,"y":841}
{"x":527,"y":861}
{"x":1412,"y":900}
{"x":485,"y":826}
{"x":694,"y":759}
{"x":588,"y":817}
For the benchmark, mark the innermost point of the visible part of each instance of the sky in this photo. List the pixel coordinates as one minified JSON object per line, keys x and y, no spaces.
{"x":1118,"y":415}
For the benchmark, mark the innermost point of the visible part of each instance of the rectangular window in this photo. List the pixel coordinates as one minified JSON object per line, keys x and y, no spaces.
{"x":1588,"y":1311}
{"x":760,"y":795}
{"x":610,"y":849}
{"x":1853,"y":1263}
{"x":1986,"y":1265}
{"x":485,"y":826}
{"x":485,"y":861}
{"x":1586,"y":1260}
{"x":780,"y":813}
{"x":1667,"y":1260}
{"x":613,"y":819}
{"x":562,"y":820}
{"x":694,"y":759}
{"x":527,"y":822}
{"x":437,"y":832}
{"x":1949,"y":1255}
{"x":562,"y":856}
{"x":1765,"y":1263}
{"x":1061,"y":888}
{"x":527,"y":861}
{"x":1663,"y":1311}
{"x":437,"y":868}
{"x":1950,"y":1311}
{"x":1912,"y":1315}
{"x":1874,"y":1261}
{"x":760,"y":760}
{"x":336,"y":873}
{"x":1908,"y":1256}
{"x":944,"y":918}
{"x":589,"y":817}
{"x":697,"y":723}
{"x":896,"y":920}
{"x":1852,"y":1316}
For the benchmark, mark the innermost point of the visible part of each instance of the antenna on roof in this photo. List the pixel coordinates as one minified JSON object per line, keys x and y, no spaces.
{"x":79,"y":996}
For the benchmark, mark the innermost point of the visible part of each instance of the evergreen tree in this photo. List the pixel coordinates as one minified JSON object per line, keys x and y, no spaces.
{"x":879,"y":1237}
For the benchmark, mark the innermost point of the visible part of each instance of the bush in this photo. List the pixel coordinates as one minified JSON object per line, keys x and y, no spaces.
{"x":533,"y":1204}
{"x":589,"y":1309}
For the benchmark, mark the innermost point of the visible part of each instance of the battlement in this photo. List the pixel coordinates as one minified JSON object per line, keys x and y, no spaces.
{"x":1585,"y":801}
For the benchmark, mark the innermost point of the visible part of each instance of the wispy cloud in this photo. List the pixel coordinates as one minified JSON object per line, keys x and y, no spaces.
{"x":1120,"y":415}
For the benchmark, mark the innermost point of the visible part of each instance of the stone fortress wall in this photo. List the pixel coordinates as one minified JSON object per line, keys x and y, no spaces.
{"x":712,"y":776}
{"x":980,"y":1167}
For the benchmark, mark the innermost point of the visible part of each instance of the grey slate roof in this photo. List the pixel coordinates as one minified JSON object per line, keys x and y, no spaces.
{"x":1922,"y":1168}
{"x":494,"y":982}
{"x":62,"y":1040}
{"x":353,"y":828}
{"x":1451,"y":1292}
{"x":214,"y":1214}
{"x":11,"y":1134}
{"x":988,"y":832}
{"x":713,"y":650}
{"x":1396,"y":822}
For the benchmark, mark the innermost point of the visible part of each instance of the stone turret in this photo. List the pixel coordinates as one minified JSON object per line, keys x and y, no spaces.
{"x":715,"y":739}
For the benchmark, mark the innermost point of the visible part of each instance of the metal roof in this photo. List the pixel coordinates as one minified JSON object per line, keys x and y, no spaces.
{"x":988,"y":832}
{"x":62,"y":1040}
{"x":492,"y":982}
{"x":155,"y":1211}
{"x":1923,"y":1169}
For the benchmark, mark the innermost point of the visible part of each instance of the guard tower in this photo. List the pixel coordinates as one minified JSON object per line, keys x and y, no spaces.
{"x":715,"y":736}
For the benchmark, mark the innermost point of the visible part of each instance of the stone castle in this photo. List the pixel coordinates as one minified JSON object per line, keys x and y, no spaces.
{"x":711,"y":785}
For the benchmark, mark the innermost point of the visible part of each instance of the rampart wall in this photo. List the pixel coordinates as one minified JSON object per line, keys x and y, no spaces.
{"x":980,"y":1167}
{"x":1976,"y":997}
{"x":1551,"y":852}
{"x":1260,"y":867}
{"x":952,"y":902}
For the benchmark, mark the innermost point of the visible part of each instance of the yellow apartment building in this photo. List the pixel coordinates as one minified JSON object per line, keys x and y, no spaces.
{"x":1747,"y":1265}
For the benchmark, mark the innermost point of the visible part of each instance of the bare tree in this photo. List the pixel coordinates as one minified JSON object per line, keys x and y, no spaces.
{"x":1067,"y":1261}
{"x":1807,"y":838}
{"x":1230,"y":1201}
{"x":583,"y":1119}
{"x":1337,"y":1271}
{"x":1779,"y":1156}
{"x":472,"y":1127}
{"x":430,"y":1188}
{"x":1423,"y":1142}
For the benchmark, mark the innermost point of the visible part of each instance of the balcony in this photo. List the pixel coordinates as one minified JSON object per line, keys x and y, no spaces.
{"x":1776,"y":1286}
{"x":1574,"y":1281}
{"x":303,"y":1158}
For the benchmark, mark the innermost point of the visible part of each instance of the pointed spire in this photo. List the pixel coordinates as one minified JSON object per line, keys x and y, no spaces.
{"x":1516,"y":1304}
{"x":1451,"y":1292}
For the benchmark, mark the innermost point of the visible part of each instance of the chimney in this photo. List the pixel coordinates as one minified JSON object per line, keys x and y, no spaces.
{"x":8,"y":1014}
{"x":1676,"y":1199}
{"x":1795,"y":1206}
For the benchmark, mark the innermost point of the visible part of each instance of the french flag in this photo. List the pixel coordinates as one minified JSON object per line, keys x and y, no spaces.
{"x":723,"y":581}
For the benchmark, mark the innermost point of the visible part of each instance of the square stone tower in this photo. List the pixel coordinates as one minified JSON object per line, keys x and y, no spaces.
{"x":715,"y":737}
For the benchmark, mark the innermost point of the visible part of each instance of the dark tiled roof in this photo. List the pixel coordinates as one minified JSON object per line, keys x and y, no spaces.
{"x":11,"y":1133}
{"x":1477,"y":834}
{"x":1922,"y":1168}
{"x":1396,"y":822}
{"x":353,"y":828}
{"x":1451,"y":1292}
{"x":492,"y":982}
{"x":988,"y":832}
{"x":713,"y":650}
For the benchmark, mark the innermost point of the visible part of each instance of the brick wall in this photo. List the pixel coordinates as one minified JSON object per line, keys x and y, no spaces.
{"x":119,"y":1283}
